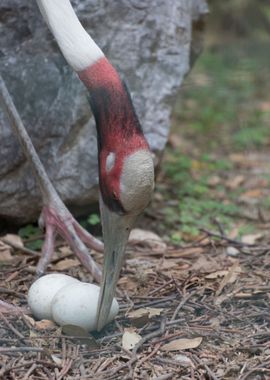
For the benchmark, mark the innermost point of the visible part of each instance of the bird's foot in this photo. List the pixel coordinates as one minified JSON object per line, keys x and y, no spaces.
{"x":57,"y":220}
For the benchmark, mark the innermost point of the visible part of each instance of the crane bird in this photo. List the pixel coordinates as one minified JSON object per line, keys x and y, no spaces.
{"x":126,"y":170}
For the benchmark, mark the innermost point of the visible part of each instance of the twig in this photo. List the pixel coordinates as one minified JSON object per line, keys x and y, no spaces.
{"x":220,"y":227}
{"x":161,"y":287}
{"x":165,"y":377}
{"x":181,"y":304}
{"x":12,"y":328}
{"x":28,"y":373}
{"x":7,"y":350}
{"x":209,"y":371}
{"x":6,"y":307}
{"x":222,"y":237}
{"x":149,"y":336}
{"x":260,"y":368}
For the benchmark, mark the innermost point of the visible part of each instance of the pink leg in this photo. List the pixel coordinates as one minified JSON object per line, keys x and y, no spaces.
{"x":55,"y":216}
{"x":47,"y":249}
{"x":90,"y":240}
{"x":58,"y":220}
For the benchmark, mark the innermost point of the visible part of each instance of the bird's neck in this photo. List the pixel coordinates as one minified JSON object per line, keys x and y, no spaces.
{"x":116,"y":120}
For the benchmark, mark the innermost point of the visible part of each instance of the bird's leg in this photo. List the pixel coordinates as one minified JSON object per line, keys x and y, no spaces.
{"x":55,"y":217}
{"x":58,"y":220}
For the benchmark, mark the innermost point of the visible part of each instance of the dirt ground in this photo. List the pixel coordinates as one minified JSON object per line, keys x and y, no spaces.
{"x":202,"y":310}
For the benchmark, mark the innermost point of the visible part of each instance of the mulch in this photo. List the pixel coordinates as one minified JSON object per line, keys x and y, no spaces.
{"x":212,"y":295}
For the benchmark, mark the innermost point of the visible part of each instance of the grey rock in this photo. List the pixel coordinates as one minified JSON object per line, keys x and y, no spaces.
{"x":149,"y":41}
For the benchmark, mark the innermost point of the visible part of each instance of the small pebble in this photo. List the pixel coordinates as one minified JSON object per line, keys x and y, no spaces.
{"x":232,"y":251}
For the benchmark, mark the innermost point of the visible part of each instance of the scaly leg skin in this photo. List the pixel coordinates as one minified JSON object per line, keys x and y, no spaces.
{"x":55,"y":217}
{"x":58,"y":221}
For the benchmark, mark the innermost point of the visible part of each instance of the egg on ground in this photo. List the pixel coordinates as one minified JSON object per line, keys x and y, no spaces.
{"x":77,"y":303}
{"x":43,"y":290}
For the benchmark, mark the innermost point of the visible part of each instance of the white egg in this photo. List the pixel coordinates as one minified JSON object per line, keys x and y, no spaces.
{"x":77,"y":304}
{"x":43,"y":290}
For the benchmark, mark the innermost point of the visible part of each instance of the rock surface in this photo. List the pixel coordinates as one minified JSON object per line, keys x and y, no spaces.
{"x":149,"y":41}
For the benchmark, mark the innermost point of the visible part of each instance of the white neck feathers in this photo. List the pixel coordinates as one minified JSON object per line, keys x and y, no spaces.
{"x":75,"y":43}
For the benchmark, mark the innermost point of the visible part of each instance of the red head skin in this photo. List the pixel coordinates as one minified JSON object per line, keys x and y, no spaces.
{"x":119,"y":131}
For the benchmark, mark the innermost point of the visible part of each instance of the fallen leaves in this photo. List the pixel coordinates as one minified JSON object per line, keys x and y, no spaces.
{"x":149,"y":311}
{"x":43,"y":324}
{"x":217,"y":274}
{"x":66,"y":264}
{"x":142,"y":316}
{"x":235,"y":182}
{"x":183,"y":360}
{"x":147,"y":238}
{"x":130,"y":338}
{"x":14,"y":239}
{"x":6,"y":249}
{"x":5,"y":252}
{"x":252,"y":238}
{"x":230,"y":277}
{"x":182,"y":344}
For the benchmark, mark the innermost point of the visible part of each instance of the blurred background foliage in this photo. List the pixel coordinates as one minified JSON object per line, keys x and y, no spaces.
{"x":222,"y":113}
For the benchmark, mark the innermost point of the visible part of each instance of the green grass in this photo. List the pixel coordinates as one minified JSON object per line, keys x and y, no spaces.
{"x":31,"y":232}
{"x":221,"y":99}
{"x":198,"y":205}
{"x":224,"y":108}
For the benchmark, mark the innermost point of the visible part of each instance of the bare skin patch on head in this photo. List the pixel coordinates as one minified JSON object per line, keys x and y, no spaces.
{"x":137,"y":181}
{"x":110,"y":161}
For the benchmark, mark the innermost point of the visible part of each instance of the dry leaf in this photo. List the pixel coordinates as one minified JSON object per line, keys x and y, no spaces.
{"x":148,"y":238}
{"x":230,"y":277}
{"x":254,"y":193}
{"x":217,"y":274}
{"x":45,"y":324}
{"x":182,"y":344}
{"x":129,"y":283}
{"x":130,"y":338}
{"x":66,"y":264}
{"x":167,"y":264}
{"x":30,"y":320}
{"x":149,"y":311}
{"x":183,"y":360}
{"x":214,"y":181}
{"x":65,"y":250}
{"x":235,"y":182}
{"x":14,"y":239}
{"x":5,"y":253}
{"x":243,"y":295}
{"x":205,"y":264}
{"x":251,"y":239}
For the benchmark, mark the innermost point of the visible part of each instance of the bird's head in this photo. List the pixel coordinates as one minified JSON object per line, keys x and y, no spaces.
{"x":126,"y":184}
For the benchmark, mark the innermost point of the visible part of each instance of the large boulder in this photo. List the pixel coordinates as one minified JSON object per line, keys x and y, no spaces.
{"x":149,"y":41}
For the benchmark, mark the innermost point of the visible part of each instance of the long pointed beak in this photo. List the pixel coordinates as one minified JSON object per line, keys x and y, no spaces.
{"x":116,"y":229}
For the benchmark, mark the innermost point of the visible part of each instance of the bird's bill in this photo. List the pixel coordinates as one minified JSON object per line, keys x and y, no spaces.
{"x":116,"y":229}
